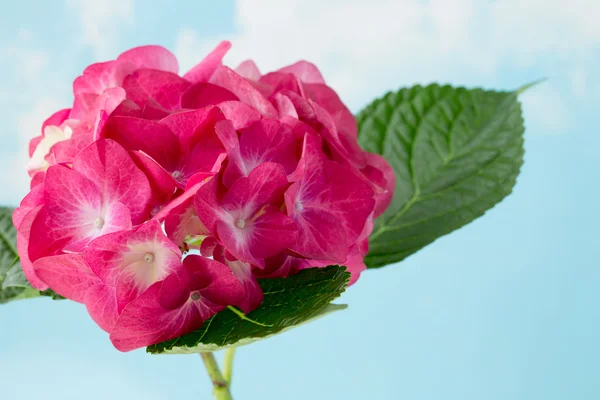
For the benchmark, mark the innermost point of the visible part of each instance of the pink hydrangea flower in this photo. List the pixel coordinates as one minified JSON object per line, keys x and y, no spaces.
{"x":159,"y":199}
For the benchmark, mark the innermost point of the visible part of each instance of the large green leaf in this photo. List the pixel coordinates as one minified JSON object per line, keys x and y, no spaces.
{"x":288,"y":302}
{"x":455,"y":152}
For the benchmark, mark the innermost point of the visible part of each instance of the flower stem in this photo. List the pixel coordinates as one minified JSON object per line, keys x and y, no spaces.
{"x":228,"y":364}
{"x":221,"y":388}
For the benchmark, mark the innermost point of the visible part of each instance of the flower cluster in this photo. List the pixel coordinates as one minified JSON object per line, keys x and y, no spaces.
{"x":158,"y":199}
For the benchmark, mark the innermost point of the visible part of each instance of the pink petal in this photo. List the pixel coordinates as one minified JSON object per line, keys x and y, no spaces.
{"x":33,"y":199}
{"x":110,"y":167}
{"x":190,"y":126}
{"x":203,"y":94}
{"x":64,"y":152}
{"x":144,"y":322}
{"x":153,"y":57}
{"x":240,"y":114}
{"x":321,"y":234}
{"x":161,"y":181}
{"x":73,"y":205}
{"x":248,"y":70}
{"x":132,"y":261}
{"x":207,"y":206}
{"x":284,"y":106}
{"x":305,"y":71}
{"x":67,"y":274}
{"x":265,"y":236}
{"x":264,"y":185}
{"x":23,"y":241}
{"x":165,"y":88}
{"x":178,"y":305}
{"x":254,"y":293}
{"x":33,"y":144}
{"x":345,"y":148}
{"x":215,"y":282}
{"x":203,"y":71}
{"x":100,"y":76}
{"x":381,"y":175}
{"x":228,"y":79}
{"x":153,"y":138}
{"x":101,"y":304}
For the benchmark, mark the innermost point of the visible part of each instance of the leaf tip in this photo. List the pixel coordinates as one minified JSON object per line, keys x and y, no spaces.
{"x":529,"y":85}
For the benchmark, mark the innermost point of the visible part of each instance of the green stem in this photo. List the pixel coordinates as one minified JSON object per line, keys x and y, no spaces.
{"x":228,"y":364}
{"x":221,"y":388}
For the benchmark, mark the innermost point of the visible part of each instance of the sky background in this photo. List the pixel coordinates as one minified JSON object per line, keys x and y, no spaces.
{"x":505,"y":308}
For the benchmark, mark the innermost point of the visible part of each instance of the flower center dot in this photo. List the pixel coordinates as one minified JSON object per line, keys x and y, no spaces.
{"x":177,"y":175}
{"x":98,"y":223}
{"x":149,"y":257}
{"x":298,"y":206}
{"x":240,"y":223}
{"x":195,"y":296}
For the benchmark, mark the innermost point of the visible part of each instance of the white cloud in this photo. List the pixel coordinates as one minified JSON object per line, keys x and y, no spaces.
{"x":99,"y":22}
{"x":365,"y":48}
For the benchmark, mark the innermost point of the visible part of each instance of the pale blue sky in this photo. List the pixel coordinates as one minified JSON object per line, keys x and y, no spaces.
{"x":505,"y":308}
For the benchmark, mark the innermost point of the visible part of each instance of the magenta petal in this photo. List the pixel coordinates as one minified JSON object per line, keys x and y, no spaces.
{"x":264,"y":185}
{"x":144,"y":321}
{"x":101,"y":304}
{"x":214,"y":281}
{"x":254,"y":294}
{"x":65,"y":151}
{"x":379,"y":172}
{"x":67,"y":274}
{"x":154,"y":57}
{"x":305,"y":71}
{"x":33,"y":144}
{"x":56,"y":119}
{"x":133,"y":261}
{"x":240,"y":114}
{"x":284,"y":106}
{"x":161,"y":181}
{"x":165,"y":88}
{"x":109,"y":166}
{"x":321,"y":234}
{"x":205,"y":69}
{"x":151,"y":137}
{"x":228,"y":79}
{"x":272,"y":232}
{"x":72,"y":211}
{"x":33,"y":199}
{"x":263,"y":237}
{"x":248,"y":70}
{"x":23,"y":241}
{"x":100,"y":76}
{"x":190,"y":126}
{"x":207,"y":206}
{"x":203,"y":94}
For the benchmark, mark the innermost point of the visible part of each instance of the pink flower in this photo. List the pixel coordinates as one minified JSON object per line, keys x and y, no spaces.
{"x":261,"y":173}
{"x":177,"y":305}
{"x":246,"y":218}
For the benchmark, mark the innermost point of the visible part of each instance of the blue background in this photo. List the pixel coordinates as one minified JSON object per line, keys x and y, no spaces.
{"x":505,"y":308}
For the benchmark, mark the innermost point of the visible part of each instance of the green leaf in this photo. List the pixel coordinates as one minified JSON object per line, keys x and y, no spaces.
{"x":456,"y":153}
{"x":288,"y":302}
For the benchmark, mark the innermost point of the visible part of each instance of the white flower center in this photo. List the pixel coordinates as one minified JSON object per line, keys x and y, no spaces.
{"x":240,"y":223}
{"x":298,"y":206}
{"x":98,"y":223}
{"x":149,"y":257}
